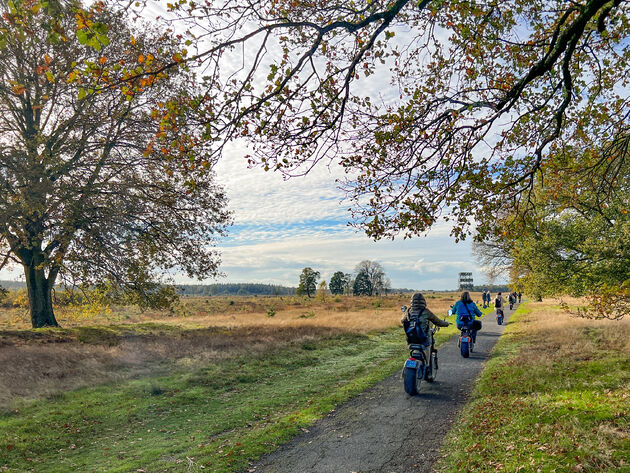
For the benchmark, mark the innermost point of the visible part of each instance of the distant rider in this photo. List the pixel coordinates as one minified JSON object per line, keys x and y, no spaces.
{"x":419,"y":308}
{"x":511,"y":299}
{"x":466,"y":307}
{"x":498,"y":302}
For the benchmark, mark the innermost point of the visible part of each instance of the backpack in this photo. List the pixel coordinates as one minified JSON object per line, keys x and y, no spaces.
{"x":497,"y":302}
{"x":413,"y":330}
{"x":466,"y":318}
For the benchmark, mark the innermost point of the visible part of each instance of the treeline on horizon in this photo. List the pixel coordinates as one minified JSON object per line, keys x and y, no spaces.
{"x":255,"y":289}
{"x":244,"y":289}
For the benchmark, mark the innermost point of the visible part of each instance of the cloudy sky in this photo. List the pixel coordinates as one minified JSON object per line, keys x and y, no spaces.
{"x":282,"y":226}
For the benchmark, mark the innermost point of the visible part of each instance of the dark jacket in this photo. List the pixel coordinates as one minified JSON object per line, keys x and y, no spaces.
{"x":419,"y":307}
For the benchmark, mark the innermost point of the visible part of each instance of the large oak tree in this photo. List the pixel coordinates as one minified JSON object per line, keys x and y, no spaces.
{"x":86,"y":197}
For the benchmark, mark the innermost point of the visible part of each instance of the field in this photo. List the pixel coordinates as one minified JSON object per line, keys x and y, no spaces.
{"x":214,"y":385}
{"x":555,"y":397}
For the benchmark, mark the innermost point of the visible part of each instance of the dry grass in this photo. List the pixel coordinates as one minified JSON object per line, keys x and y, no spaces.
{"x":129,"y":343}
{"x":556,"y":329}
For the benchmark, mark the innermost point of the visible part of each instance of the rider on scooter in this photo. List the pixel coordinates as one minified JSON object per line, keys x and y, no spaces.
{"x":419,"y":308}
{"x":465,"y":306}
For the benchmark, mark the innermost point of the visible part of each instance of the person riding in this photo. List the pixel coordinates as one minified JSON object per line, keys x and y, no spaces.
{"x":419,"y":309}
{"x":498,"y":302}
{"x":467,"y":309}
{"x":511,"y":298}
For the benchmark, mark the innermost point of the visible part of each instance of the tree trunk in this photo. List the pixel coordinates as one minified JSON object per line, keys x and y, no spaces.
{"x":39,"y":297}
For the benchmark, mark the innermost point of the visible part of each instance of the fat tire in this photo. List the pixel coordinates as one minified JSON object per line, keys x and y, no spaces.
{"x":464,"y":347}
{"x":410,"y":381}
{"x":431,"y":371}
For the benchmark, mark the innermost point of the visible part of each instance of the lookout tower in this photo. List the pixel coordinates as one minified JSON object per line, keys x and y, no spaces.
{"x":465,"y":281}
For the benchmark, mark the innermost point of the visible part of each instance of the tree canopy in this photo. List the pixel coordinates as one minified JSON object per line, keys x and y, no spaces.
{"x":339,"y":282}
{"x":575,"y":240}
{"x":484,"y":96}
{"x":374,"y":274}
{"x":87,"y":198}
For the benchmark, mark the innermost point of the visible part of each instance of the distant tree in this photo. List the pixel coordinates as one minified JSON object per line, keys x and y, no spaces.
{"x":322,"y":291}
{"x":375,"y":274}
{"x":339,"y":282}
{"x":308,"y":282}
{"x":87,"y":199}
{"x":362,"y":285}
{"x":349,"y":283}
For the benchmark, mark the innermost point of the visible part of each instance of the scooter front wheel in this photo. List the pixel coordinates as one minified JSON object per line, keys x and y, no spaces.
{"x":432,"y":368}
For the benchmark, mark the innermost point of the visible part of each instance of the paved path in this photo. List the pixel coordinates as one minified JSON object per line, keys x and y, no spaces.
{"x":383,"y":430}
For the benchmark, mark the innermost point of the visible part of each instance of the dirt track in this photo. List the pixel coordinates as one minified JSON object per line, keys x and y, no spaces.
{"x":383,"y":430}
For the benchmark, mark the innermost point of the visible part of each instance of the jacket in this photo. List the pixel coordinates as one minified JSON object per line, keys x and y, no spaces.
{"x":419,"y":308}
{"x":464,"y":309}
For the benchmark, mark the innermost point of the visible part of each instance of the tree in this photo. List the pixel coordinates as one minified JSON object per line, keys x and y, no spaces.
{"x":308,"y":282}
{"x":362,"y":285}
{"x":87,"y":199}
{"x":322,"y":291}
{"x":374,"y":272}
{"x":576,"y":240}
{"x":486,"y":94}
{"x":338,"y":283}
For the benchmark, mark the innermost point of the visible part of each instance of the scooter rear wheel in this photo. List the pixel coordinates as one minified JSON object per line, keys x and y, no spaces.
{"x":410,"y":378}
{"x":465,"y":349}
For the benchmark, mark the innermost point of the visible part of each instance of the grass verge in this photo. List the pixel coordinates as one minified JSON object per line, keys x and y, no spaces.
{"x":554,"y":397}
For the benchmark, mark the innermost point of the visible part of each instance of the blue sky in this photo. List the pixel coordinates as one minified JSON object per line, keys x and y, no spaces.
{"x":282,"y":226}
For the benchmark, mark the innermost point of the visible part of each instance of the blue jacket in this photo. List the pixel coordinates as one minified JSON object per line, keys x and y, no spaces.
{"x":464,"y":309}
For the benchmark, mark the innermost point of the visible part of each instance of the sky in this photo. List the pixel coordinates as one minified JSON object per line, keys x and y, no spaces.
{"x":282,"y":226}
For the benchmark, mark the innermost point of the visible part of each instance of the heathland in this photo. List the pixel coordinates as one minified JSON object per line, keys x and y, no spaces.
{"x":213,"y":385}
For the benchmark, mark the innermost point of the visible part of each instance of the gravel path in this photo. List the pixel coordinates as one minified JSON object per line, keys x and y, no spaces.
{"x":383,"y":430}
